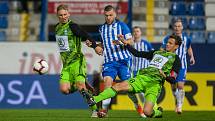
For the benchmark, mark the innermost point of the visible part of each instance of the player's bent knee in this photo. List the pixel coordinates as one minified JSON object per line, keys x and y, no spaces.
{"x":80,"y":85}
{"x":65,"y":91}
{"x":147,"y":112}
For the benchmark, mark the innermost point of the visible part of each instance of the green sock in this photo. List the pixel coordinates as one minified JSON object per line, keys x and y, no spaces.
{"x":107,"y":93}
{"x":157,"y":113}
{"x":94,"y":107}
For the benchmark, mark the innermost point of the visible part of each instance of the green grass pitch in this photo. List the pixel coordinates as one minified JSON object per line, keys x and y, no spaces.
{"x":84,"y":115}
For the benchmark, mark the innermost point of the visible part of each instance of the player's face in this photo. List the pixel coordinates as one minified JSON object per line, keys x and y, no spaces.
{"x":137,"y":34}
{"x":110,"y":16}
{"x":171,"y":45}
{"x":178,"y":27}
{"x":63,"y":16}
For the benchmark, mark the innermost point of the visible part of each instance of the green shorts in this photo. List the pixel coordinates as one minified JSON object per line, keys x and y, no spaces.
{"x":150,"y":88}
{"x":74,"y":72}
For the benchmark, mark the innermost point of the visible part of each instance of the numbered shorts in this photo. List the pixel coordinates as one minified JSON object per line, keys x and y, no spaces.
{"x":150,"y":88}
{"x":74,"y":72}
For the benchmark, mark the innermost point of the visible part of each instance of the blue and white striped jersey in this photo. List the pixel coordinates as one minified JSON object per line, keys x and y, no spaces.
{"x":182,"y":50}
{"x":137,"y":62}
{"x":109,"y":34}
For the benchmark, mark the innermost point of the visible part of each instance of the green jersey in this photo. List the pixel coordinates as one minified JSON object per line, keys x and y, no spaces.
{"x":159,"y":60}
{"x":69,"y":44}
{"x":69,"y":36}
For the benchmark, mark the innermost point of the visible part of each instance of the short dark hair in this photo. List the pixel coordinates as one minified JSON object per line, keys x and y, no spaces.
{"x":137,"y":27}
{"x":178,"y":20}
{"x":109,"y":8}
{"x":178,"y":39}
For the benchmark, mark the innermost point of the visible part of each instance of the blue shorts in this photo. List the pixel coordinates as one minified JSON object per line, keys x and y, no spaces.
{"x":182,"y":75}
{"x":114,"y":68}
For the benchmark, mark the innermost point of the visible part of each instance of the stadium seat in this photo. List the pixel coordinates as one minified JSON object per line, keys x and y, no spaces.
{"x":3,"y":22}
{"x":211,"y":37}
{"x":4,"y":7}
{"x":2,"y":36}
{"x":178,"y":8}
{"x":197,"y":23}
{"x":198,"y":37}
{"x":202,"y":24}
{"x":196,"y":9}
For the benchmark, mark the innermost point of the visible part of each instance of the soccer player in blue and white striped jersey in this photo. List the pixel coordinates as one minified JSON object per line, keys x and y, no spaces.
{"x":116,"y":57}
{"x":182,"y":51}
{"x":140,"y":45}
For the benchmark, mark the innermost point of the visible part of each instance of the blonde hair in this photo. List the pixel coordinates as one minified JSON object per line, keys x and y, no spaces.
{"x":62,"y":7}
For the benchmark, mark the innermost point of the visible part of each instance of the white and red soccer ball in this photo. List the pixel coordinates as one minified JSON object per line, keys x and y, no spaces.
{"x":40,"y":66}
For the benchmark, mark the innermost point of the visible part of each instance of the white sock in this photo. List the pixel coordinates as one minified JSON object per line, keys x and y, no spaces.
{"x":106,"y":103}
{"x":175,"y":93}
{"x":177,"y":97}
{"x":180,"y":97}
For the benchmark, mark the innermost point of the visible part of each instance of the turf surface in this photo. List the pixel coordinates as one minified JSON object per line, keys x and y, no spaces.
{"x":84,"y":115}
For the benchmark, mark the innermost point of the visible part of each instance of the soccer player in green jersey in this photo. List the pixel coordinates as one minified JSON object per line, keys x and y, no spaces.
{"x":68,"y":37}
{"x":164,"y":65}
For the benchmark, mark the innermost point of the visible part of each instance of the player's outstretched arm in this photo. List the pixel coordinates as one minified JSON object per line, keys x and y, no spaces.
{"x":123,"y":41}
{"x":81,"y":33}
{"x":98,"y":48}
{"x":143,"y":54}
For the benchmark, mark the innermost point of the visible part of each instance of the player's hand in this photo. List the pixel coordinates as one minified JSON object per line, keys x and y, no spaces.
{"x":192,"y":61}
{"x":120,"y":36}
{"x":117,"y":42}
{"x":122,"y":40}
{"x":88,"y":43}
{"x":99,"y":50}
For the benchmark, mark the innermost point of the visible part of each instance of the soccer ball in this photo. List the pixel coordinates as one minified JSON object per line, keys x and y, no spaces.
{"x":40,"y":66}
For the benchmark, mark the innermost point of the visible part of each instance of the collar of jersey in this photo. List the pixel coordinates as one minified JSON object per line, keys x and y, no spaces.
{"x":65,"y":23}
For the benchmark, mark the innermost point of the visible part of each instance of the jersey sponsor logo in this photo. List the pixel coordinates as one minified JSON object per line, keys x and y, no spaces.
{"x":60,"y":42}
{"x":63,"y":43}
{"x":158,"y":61}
